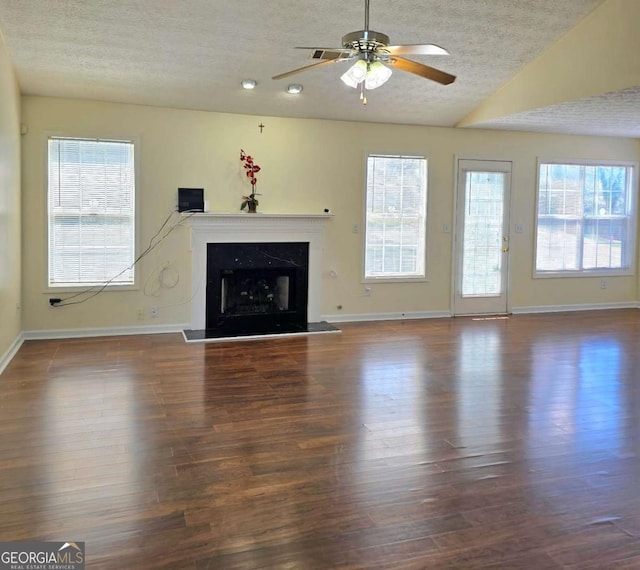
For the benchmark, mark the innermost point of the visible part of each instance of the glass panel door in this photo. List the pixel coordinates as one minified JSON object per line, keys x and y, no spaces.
{"x":482,"y":238}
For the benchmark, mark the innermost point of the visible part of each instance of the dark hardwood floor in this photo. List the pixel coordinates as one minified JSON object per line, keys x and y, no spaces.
{"x":450,"y":443}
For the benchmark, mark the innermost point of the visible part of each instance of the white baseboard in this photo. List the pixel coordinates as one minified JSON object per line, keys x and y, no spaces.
{"x":355,"y":318}
{"x":11,"y":352}
{"x":385,"y":316}
{"x":107,"y":331}
{"x":567,"y":308}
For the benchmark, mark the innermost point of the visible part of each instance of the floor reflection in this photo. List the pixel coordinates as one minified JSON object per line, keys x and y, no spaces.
{"x":391,"y":389}
{"x":575,"y":391}
{"x":479,"y":385}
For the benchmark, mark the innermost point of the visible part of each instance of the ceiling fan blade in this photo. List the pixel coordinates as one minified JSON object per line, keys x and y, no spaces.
{"x":416,"y":49}
{"x":300,"y":69}
{"x":422,"y":70}
{"x":329,"y":53}
{"x":340,"y":49}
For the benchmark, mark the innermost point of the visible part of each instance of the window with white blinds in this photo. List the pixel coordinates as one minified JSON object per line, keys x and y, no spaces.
{"x":396,"y":217}
{"x":91,"y":204}
{"x":586,"y":218}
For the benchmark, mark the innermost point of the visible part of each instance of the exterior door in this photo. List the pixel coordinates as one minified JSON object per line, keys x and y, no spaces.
{"x":481,"y":270}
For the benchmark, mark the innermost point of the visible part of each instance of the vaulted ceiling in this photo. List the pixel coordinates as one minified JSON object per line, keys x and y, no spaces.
{"x":539,"y":65}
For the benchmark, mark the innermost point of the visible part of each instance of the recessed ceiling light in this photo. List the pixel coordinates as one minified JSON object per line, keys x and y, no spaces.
{"x":249,"y":83}
{"x":294,"y":88}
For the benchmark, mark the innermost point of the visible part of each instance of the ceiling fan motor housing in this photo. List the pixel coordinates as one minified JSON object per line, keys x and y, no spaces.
{"x":365,"y":41}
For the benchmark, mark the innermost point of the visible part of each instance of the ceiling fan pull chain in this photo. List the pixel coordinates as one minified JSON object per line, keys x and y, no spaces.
{"x":363,"y":94}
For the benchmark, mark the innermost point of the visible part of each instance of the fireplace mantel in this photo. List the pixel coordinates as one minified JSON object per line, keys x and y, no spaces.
{"x":253,"y":228}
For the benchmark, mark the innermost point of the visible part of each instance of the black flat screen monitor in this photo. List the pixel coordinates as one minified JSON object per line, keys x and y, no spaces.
{"x":190,"y":199}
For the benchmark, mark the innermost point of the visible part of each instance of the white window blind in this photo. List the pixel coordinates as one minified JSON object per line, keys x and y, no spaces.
{"x":91,"y":203}
{"x":396,"y":217}
{"x":585,"y":219}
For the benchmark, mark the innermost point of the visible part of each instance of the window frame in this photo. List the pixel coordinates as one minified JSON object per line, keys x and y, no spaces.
{"x":112,"y":287}
{"x":402,"y":278}
{"x":632,"y":217}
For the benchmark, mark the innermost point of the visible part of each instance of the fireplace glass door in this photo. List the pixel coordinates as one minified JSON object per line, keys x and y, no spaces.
{"x":256,"y":291}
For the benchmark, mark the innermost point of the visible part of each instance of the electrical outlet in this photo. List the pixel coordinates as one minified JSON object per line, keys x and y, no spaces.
{"x":603,"y":283}
{"x":366,"y":291}
{"x":355,"y":229}
{"x":140,"y":314}
{"x":154,"y":312}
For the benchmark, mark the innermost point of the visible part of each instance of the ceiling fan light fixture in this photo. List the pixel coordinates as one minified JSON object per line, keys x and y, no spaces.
{"x":248,"y":83}
{"x":294,"y":89}
{"x":377,"y":75}
{"x":356,"y":74}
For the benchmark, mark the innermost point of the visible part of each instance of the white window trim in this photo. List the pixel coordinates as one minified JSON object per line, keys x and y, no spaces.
{"x":363,"y":226}
{"x":633,"y":235}
{"x":135,"y":139}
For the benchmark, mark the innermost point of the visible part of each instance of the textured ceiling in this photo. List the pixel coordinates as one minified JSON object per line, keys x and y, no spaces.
{"x":616,"y":114}
{"x":193,"y":54}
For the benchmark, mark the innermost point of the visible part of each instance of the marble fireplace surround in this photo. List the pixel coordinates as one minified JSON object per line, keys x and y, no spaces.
{"x":254,"y":228}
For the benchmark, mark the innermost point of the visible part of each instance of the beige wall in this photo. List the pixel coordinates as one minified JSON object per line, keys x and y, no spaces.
{"x":307,"y":165}
{"x":10,"y":325}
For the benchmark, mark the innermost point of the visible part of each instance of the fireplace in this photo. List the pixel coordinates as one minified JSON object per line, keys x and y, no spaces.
{"x":293,"y":299}
{"x":256,"y":287}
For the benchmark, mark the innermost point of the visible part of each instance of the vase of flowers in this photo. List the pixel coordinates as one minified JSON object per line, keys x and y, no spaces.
{"x":250,"y":202}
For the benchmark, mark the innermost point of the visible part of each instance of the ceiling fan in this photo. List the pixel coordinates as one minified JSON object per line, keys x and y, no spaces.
{"x":373,"y":54}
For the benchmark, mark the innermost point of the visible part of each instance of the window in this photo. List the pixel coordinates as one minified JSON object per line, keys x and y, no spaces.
{"x":91,"y":201}
{"x":395,"y":217}
{"x":585,"y":219}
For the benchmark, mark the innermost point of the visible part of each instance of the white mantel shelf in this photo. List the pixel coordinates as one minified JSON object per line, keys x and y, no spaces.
{"x":211,"y":220}
{"x":204,"y":215}
{"x":246,"y":228}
